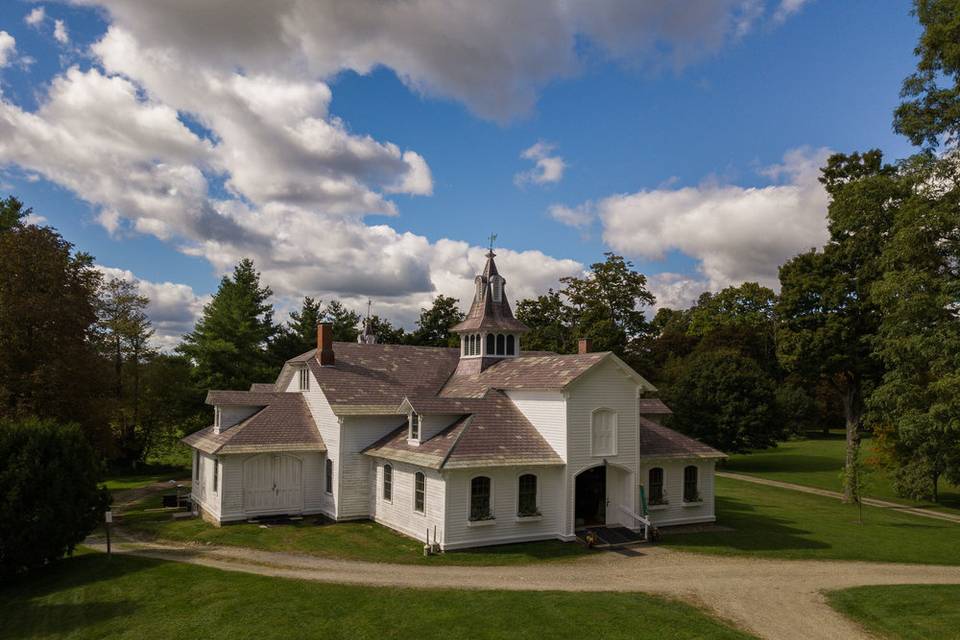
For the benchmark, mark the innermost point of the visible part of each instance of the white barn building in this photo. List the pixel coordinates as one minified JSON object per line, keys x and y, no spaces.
{"x":485,"y":444}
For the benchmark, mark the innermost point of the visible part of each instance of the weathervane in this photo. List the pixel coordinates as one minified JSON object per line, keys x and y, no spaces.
{"x":492,"y":238}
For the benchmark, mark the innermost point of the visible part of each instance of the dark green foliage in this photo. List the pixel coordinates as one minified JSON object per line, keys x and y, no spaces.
{"x":931,"y":108}
{"x":827,"y":316}
{"x":605,"y":306}
{"x":551,"y":323}
{"x":48,"y":313}
{"x":386,"y":333}
{"x":49,"y":499}
{"x":299,"y":334}
{"x":229,"y":345}
{"x":918,"y":400}
{"x":796,"y":409}
{"x":433,"y":326}
{"x":724,"y":399}
{"x":741,"y":318}
{"x":12,"y":213}
{"x":346,"y":323}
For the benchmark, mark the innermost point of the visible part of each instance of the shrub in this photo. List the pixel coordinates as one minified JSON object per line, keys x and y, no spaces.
{"x":49,"y":498}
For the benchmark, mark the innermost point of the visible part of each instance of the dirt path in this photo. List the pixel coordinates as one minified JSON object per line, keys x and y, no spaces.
{"x":770,"y":598}
{"x":873,"y":502}
{"x":125,"y":498}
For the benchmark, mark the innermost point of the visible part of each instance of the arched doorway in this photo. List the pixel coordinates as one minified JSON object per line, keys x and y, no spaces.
{"x":590,"y":501}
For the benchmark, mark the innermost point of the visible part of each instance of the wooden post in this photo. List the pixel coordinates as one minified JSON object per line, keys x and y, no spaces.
{"x":108,"y":519}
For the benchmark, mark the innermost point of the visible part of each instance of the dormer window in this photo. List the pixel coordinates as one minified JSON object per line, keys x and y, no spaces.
{"x":414,"y":420}
{"x":496,"y":286}
{"x":304,"y":379}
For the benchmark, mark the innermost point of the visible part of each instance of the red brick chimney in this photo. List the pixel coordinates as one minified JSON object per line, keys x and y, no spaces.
{"x":325,"y":344}
{"x":585,"y":345}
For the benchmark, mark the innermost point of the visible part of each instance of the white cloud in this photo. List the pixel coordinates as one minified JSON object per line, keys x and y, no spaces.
{"x":675,"y":290}
{"x":60,"y":33}
{"x":578,"y":217}
{"x":35,"y":17}
{"x":493,"y":56}
{"x":548,"y":167}
{"x":173,"y":308}
{"x":8,"y":46}
{"x":787,"y":8}
{"x":736,"y":233}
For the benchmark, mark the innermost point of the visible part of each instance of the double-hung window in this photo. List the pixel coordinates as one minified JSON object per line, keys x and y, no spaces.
{"x":527,"y":496}
{"x":480,"y":499}
{"x":419,"y":492}
{"x":388,"y":482}
{"x":656,"y":486}
{"x":691,"y":492}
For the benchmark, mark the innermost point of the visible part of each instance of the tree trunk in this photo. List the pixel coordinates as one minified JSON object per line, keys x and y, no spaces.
{"x":852,"y":409}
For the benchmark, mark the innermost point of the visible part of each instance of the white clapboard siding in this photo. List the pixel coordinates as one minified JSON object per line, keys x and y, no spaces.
{"x":356,"y":434}
{"x":605,"y":386}
{"x":203,"y":492}
{"x":547,"y":412}
{"x":232,"y":490}
{"x":676,"y":512}
{"x":506,"y":526}
{"x":329,"y":426}
{"x":398,"y":513}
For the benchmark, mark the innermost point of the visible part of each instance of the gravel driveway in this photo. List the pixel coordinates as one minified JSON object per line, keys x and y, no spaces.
{"x":778,"y":599}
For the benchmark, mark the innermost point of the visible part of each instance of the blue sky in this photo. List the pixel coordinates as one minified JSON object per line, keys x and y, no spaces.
{"x":665,"y":144}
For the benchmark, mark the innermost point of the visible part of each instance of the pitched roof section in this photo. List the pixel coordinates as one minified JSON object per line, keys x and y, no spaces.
{"x":379,"y":376}
{"x":263,"y":387}
{"x":493,"y":434}
{"x":284,"y":424}
{"x":485,"y":313}
{"x":525,"y":372}
{"x":242,"y":398}
{"x":657,"y":441}
{"x":653,"y":406}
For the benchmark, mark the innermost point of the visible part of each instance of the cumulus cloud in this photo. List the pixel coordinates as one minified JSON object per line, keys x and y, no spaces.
{"x":736,"y":233}
{"x":35,"y":17}
{"x":173,"y":308}
{"x":60,"y":32}
{"x":548,"y":168}
{"x":8,"y":46}
{"x":493,"y":56}
{"x":675,"y":290}
{"x":577,"y":217}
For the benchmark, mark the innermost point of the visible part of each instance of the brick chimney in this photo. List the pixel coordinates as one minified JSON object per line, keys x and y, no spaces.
{"x":584,"y":345}
{"x":325,"y":344}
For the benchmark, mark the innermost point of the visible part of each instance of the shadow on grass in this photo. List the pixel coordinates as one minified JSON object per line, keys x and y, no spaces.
{"x":751,"y":531}
{"x":782,"y":463}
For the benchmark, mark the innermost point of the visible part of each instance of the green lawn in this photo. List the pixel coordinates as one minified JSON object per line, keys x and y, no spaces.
{"x":91,"y":596}
{"x":167,"y":463}
{"x":903,"y":611}
{"x":779,"y":523}
{"x":817,"y":461}
{"x":363,"y":540}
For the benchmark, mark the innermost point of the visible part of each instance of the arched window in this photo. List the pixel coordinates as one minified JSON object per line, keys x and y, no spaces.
{"x":496,"y":285}
{"x":511,"y":346}
{"x":419,"y":492}
{"x":691,"y":490}
{"x":468,"y":341}
{"x":604,"y":433}
{"x":655,"y":486}
{"x":414,"y":426}
{"x":388,"y":482}
{"x":527,"y":496}
{"x":501,"y":345}
{"x":491,"y":341}
{"x":329,"y":476}
{"x":480,"y":499}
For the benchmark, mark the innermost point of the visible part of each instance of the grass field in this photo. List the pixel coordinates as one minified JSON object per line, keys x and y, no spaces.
{"x":91,"y":596}
{"x":817,"y":461}
{"x":910,"y":612}
{"x":169,"y":463}
{"x":363,"y":540}
{"x":779,"y":523}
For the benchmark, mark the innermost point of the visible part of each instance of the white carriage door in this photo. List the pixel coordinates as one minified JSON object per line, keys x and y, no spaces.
{"x":289,"y":485}
{"x":272,"y":483}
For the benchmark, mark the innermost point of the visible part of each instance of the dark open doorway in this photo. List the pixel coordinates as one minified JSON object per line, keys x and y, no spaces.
{"x":591,"y":498}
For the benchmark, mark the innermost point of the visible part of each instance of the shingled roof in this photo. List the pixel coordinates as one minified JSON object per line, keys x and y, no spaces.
{"x":653,"y":406}
{"x":493,"y":433}
{"x":374,"y":378}
{"x":526,"y":372}
{"x":284,"y":424}
{"x":657,"y":441}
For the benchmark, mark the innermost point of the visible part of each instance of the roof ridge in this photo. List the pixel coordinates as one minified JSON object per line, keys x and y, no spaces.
{"x":466,"y":425}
